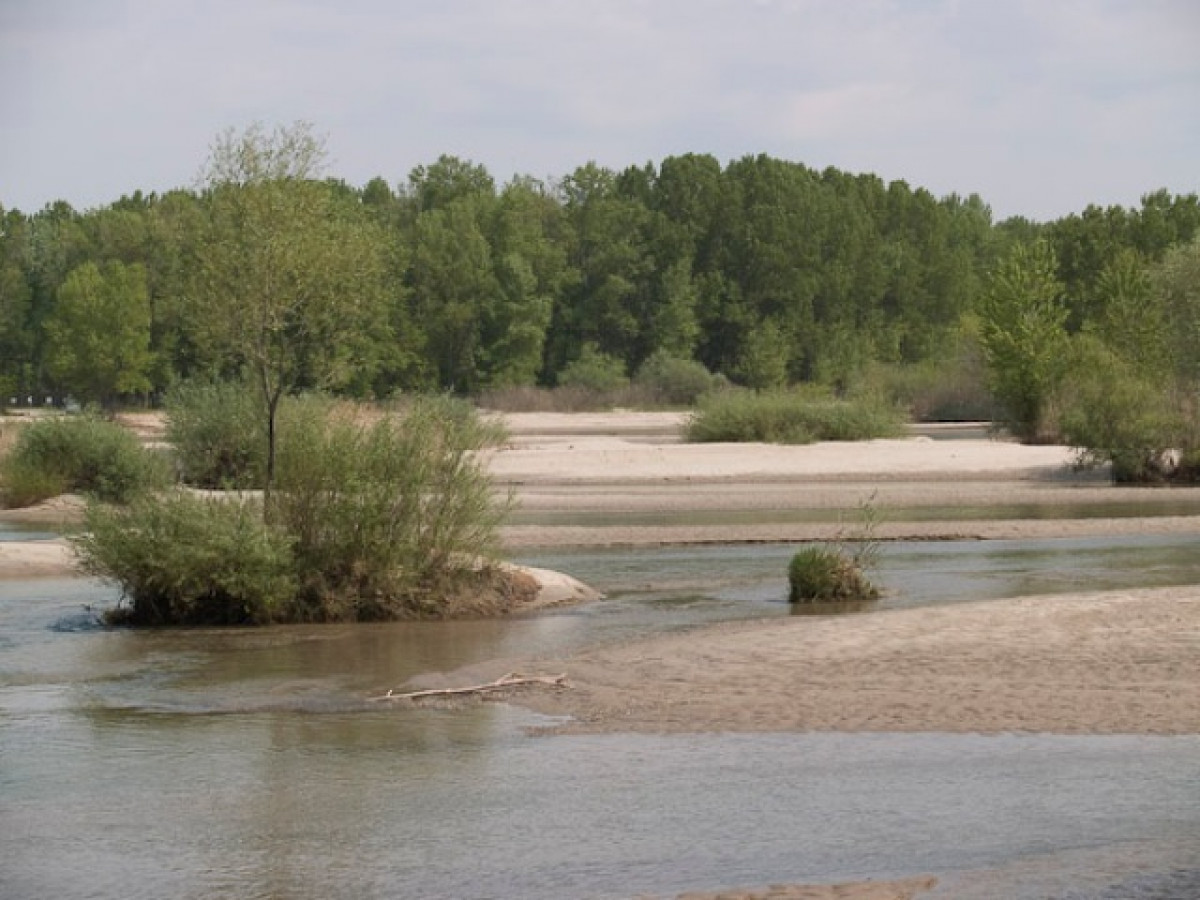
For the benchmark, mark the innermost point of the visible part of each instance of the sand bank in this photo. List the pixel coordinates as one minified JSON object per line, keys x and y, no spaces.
{"x":1121,"y":662}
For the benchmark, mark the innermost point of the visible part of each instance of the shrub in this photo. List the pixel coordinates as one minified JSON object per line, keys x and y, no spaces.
{"x":187,"y":560}
{"x":381,"y":516}
{"x":373,"y":519}
{"x":218,"y":434}
{"x":825,"y":574}
{"x":790,"y":417}
{"x":675,"y":382}
{"x":594,"y":371}
{"x":78,"y":453}
{"x":1116,"y":415}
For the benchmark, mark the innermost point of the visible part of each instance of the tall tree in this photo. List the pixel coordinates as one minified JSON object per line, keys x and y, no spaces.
{"x":1024,"y":316}
{"x":98,"y":336}
{"x":288,"y":281}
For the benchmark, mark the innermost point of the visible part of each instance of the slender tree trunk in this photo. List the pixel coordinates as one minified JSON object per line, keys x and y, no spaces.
{"x":271,"y":396}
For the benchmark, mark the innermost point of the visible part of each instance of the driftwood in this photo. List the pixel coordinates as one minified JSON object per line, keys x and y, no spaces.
{"x":512,"y":679}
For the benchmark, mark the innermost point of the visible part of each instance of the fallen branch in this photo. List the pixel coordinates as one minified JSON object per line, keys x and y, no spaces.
{"x":512,"y":679}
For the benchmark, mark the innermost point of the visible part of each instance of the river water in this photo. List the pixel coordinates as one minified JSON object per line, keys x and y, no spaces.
{"x":202,"y":763}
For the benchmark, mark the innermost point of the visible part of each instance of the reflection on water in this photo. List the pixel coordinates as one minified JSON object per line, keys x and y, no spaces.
{"x":245,"y":763}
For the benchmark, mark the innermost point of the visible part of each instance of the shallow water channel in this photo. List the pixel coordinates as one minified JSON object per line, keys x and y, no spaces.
{"x":245,"y":763}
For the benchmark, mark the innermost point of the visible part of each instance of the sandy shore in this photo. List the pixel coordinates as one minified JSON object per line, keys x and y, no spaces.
{"x":1105,"y":663}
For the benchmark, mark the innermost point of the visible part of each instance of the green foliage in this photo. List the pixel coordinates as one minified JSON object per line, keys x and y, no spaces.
{"x":371,"y":520}
{"x":1120,"y":416}
{"x":216,"y":429}
{"x":766,"y":271}
{"x":763,"y":364}
{"x":1176,"y":284}
{"x":78,"y":453}
{"x":187,"y":560}
{"x":289,"y":281}
{"x":381,"y":516}
{"x":594,"y":371}
{"x":790,"y":417}
{"x":1130,"y":394}
{"x":821,"y":574}
{"x":675,"y":382}
{"x":98,"y":338}
{"x":1024,"y":337}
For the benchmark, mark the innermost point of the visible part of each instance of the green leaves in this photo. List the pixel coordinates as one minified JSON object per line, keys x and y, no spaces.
{"x":98,"y":337}
{"x":1024,"y":338}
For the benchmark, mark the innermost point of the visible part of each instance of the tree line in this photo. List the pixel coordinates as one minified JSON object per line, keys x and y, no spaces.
{"x":764,"y":270}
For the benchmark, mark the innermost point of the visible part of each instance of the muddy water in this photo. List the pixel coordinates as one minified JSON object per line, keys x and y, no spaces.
{"x":206,"y":763}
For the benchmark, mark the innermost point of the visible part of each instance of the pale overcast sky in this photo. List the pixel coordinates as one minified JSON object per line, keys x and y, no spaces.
{"x":1039,"y":106}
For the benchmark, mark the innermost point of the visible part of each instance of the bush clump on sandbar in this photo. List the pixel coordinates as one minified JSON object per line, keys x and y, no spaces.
{"x":365,"y":521}
{"x":790,"y":417}
{"x":827,"y":575}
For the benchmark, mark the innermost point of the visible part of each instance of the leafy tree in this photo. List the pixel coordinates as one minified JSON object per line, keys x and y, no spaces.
{"x":607,"y":249}
{"x":1176,"y":282}
{"x":16,"y":337}
{"x":1132,"y":319}
{"x":1024,"y":338}
{"x":452,"y":283}
{"x":447,"y":180}
{"x":98,"y":336}
{"x":763,"y":364}
{"x":289,"y":276}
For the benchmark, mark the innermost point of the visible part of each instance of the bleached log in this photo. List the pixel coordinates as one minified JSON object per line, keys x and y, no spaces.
{"x":512,"y":679}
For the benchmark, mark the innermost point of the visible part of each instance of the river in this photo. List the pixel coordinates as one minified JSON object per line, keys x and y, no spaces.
{"x":200,"y":763}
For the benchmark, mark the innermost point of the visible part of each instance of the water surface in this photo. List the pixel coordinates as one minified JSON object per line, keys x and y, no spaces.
{"x":245,"y":763}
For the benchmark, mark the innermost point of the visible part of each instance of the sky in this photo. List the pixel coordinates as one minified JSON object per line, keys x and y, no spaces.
{"x":1039,"y":106}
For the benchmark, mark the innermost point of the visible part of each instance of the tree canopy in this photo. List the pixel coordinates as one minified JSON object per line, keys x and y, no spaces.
{"x":762,"y":269}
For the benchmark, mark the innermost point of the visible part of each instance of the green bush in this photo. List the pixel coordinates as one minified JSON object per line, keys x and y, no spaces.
{"x":594,"y":371}
{"x":218,"y":432}
{"x":1116,"y":415}
{"x":824,"y":575}
{"x":368,"y":520}
{"x":78,"y":453}
{"x":790,"y":417}
{"x":187,"y":560}
{"x":380,"y":516}
{"x":675,"y":382}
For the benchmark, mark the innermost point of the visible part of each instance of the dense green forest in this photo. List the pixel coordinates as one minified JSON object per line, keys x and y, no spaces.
{"x":763,"y":270}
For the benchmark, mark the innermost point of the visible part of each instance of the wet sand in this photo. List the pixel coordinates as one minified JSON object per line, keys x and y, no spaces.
{"x":1120,"y":662}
